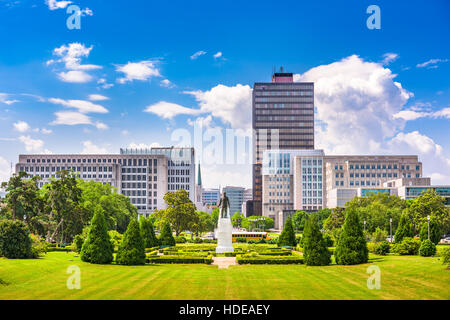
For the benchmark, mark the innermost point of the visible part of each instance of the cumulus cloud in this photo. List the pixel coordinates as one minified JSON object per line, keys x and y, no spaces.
{"x":32,"y":145}
{"x":141,"y":71}
{"x":410,"y":114}
{"x":169,"y":110}
{"x":197,"y":54}
{"x":54,"y":4}
{"x":91,"y":148}
{"x":233,"y":105}
{"x":97,"y":97}
{"x":21,"y":126}
{"x":75,"y":76}
{"x":83,"y":106}
{"x":167,"y":83}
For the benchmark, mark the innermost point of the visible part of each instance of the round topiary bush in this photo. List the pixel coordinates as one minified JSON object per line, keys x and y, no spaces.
{"x":15,"y":240}
{"x":132,"y":249}
{"x":352,"y":246}
{"x":383,"y":248}
{"x":97,"y":248}
{"x":427,"y":248}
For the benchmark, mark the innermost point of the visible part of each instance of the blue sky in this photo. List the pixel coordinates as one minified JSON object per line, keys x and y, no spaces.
{"x":139,"y":55}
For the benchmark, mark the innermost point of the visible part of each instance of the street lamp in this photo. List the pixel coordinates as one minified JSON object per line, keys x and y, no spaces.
{"x":428,"y":218}
{"x":390,"y":222}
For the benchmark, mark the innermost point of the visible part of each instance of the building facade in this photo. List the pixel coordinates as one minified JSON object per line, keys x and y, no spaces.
{"x":282,"y":118}
{"x":248,"y":196}
{"x":236,"y":197}
{"x":143,"y":175}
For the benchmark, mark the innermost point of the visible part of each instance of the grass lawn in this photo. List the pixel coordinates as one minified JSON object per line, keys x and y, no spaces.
{"x":405,"y":277}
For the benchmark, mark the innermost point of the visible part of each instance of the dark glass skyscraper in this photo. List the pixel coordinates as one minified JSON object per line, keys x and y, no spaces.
{"x":283,"y":118}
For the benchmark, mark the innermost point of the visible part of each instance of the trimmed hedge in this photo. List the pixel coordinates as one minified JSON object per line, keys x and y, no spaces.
{"x":427,"y":248}
{"x":178,"y":259}
{"x":408,"y":246}
{"x":248,"y":259}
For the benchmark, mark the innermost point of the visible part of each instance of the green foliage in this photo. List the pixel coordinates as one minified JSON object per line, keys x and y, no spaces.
{"x":328,"y":239}
{"x":215,"y":216}
{"x":408,"y":246}
{"x":335,"y":220}
{"x":78,"y":243}
{"x":116,"y":238}
{"x":383,"y":248}
{"x":257,"y":259}
{"x":97,"y":248}
{"x":180,"y":239}
{"x":132,"y":249}
{"x":203,"y":223}
{"x":166,"y":237}
{"x":315,"y":248}
{"x":148,"y":232}
{"x":179,"y":259}
{"x":39,"y":246}
{"x":241,"y":240}
{"x":237,"y":219}
{"x":427,"y":248}
{"x":257,"y":223}
{"x":299,"y":219}
{"x":404,"y":228}
{"x":15,"y":240}
{"x":429,"y":204}
{"x":435,"y":232}
{"x":351,"y":247}
{"x":446,"y":256}
{"x":180,"y":212}
{"x":287,"y":236}
{"x":379,"y":235}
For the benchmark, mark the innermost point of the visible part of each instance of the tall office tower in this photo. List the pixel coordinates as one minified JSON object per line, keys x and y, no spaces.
{"x":283,"y":118}
{"x":236,"y":197}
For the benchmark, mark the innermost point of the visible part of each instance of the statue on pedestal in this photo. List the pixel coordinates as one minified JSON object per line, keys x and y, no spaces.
{"x":224,"y":205}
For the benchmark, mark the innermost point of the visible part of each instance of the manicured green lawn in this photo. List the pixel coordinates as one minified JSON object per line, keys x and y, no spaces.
{"x":407,"y":277}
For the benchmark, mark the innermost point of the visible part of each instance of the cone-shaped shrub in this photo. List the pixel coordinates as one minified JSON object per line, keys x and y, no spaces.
{"x":352,"y":246}
{"x":315,"y":251}
{"x":97,"y":248}
{"x":148,"y":233}
{"x":15,"y":240}
{"x":287,"y":236}
{"x":427,"y":248}
{"x":403,"y":229}
{"x":435,"y":232}
{"x":131,"y":250}
{"x":166,"y":238}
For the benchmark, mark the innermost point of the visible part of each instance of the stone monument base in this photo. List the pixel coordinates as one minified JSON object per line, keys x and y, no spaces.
{"x":224,"y":236}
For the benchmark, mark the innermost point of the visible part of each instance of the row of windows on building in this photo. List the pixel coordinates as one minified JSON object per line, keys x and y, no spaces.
{"x":313,"y":178}
{"x":174,"y":187}
{"x":312,"y":162}
{"x":279,"y":194}
{"x":377,"y":166}
{"x":84,"y":176}
{"x":138,"y":185}
{"x":179,"y":179}
{"x":139,"y":193}
{"x":283,"y":93}
{"x":143,"y":201}
{"x":317,"y":186}
{"x":312,"y":193}
{"x":56,"y":169}
{"x":308,"y":111}
{"x":312,"y":200}
{"x":129,"y":162}
{"x":285,"y":86}
{"x":179,"y":172}
{"x":284,"y":99}
{"x":138,"y":177}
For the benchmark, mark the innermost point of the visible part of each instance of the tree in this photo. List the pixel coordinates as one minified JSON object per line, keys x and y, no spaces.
{"x":335,"y":220}
{"x":132,"y":249}
{"x":257,"y":222}
{"x":435,"y":232}
{"x":98,"y":247}
{"x":148,"y":233}
{"x":237,"y":219}
{"x":351,"y":247}
{"x":15,"y":240}
{"x":180,"y":212}
{"x":429,"y":204}
{"x":315,"y":251}
{"x":215,"y":216}
{"x":427,"y":248}
{"x":299,"y":219}
{"x":379,"y":235}
{"x":166,"y":238}
{"x":287,"y":236}
{"x":403,"y":229}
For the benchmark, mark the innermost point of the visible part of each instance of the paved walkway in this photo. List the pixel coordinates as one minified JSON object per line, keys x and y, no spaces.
{"x":224,"y":262}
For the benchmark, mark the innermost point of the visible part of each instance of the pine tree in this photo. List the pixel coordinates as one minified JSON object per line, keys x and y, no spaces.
{"x":352,"y":246}
{"x":435,"y":232}
{"x":97,"y":248}
{"x":403,"y":229}
{"x":166,"y":238}
{"x":148,"y":233}
{"x":287,"y":236}
{"x":131,"y":250}
{"x":315,"y":249}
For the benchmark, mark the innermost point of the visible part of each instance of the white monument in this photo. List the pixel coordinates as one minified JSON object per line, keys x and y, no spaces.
{"x":224,"y":227}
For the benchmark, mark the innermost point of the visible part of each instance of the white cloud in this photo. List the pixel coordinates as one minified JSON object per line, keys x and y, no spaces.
{"x":197,"y":54}
{"x":169,"y":110}
{"x":233,"y":105}
{"x":411,"y":114}
{"x":71,"y":118}
{"x":218,"y":55}
{"x":90,"y":148}
{"x":4,"y":170}
{"x":46,"y":131}
{"x":83,"y":106}
{"x":204,"y":122}
{"x":75,"y":76}
{"x":431,"y":64}
{"x":101,"y":126}
{"x":166,"y":83}
{"x":21,"y":126}
{"x":104,"y":84}
{"x":143,"y":145}
{"x":54,"y":4}
{"x":4,"y":99}
{"x":125,"y":132}
{"x":389,"y":57}
{"x":138,"y":71}
{"x":97,"y":97}
{"x":31,"y":145}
